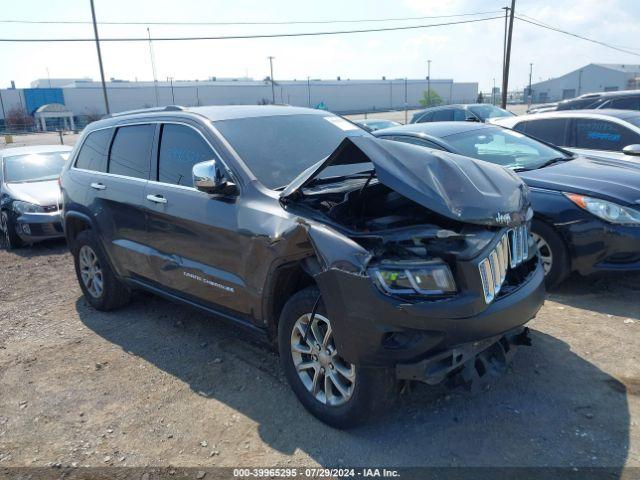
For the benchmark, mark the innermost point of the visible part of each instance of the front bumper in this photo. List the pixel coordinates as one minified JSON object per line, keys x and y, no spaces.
{"x":371,"y":328}
{"x":35,"y":227}
{"x":598,"y":246}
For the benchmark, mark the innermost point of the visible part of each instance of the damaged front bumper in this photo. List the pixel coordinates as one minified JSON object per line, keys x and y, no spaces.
{"x":469,"y":365}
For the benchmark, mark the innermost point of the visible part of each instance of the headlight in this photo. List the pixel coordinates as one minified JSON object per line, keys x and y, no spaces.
{"x":608,"y":211}
{"x":26,"y":207}
{"x":411,"y":278}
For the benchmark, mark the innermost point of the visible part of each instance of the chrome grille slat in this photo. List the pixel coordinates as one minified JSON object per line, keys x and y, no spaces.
{"x":511,"y":251}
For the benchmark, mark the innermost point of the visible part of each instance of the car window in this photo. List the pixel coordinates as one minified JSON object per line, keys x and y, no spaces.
{"x":181,"y":147}
{"x":278,"y":148}
{"x":503,"y":147}
{"x":131,"y":151}
{"x":92,"y":154}
{"x":459,"y":115}
{"x":414,"y":141}
{"x":444,"y":115}
{"x":34,"y":167}
{"x":602,"y":135}
{"x":552,"y":130}
{"x":489,"y":111}
{"x":424,"y":118}
{"x":625,"y":103}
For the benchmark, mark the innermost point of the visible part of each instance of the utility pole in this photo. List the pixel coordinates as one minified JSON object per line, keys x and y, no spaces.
{"x":406,"y":105}
{"x":504,"y":45}
{"x":428,"y":83}
{"x":308,"y":91}
{"x":507,"y":58}
{"x":273,"y":89}
{"x":529,"y":91}
{"x":153,"y":68}
{"x":173,"y":97}
{"x":104,"y":86}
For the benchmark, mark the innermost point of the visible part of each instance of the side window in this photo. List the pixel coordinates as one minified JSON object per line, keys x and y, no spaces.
{"x":520,"y":127}
{"x":552,"y":130}
{"x":444,"y":115}
{"x":427,"y":117}
{"x":181,"y":148}
{"x":131,"y":151}
{"x":602,"y":135}
{"x":460,"y":115}
{"x":415,"y":141}
{"x":93,"y":152}
{"x":626,"y":103}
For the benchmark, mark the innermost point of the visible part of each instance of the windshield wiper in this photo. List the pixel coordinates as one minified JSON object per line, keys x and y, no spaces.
{"x":548,"y":163}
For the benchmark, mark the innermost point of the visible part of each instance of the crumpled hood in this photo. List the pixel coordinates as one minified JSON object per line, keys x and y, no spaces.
{"x":609,"y":179}
{"x":40,"y":193}
{"x":453,"y":186}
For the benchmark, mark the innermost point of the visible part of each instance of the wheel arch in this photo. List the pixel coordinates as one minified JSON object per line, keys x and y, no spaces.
{"x":74,"y":223}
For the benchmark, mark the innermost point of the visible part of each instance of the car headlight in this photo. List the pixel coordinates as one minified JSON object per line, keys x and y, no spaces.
{"x":26,"y":207}
{"x":607,"y":211}
{"x":414,"y":278}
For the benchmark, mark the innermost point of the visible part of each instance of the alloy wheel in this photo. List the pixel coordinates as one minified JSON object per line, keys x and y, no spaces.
{"x":324,"y":373}
{"x":90,"y":271}
{"x":546,"y":255}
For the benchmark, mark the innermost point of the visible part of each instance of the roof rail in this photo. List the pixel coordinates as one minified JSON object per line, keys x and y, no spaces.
{"x":168,"y":108}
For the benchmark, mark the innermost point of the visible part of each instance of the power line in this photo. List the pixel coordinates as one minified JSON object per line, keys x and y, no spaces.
{"x":239,"y":37}
{"x":291,"y":22}
{"x":549,"y":27}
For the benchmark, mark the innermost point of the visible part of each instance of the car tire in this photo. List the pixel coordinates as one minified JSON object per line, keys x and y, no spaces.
{"x":102,"y":289}
{"x":553,"y":253}
{"x":10,"y":239}
{"x":368,"y":390}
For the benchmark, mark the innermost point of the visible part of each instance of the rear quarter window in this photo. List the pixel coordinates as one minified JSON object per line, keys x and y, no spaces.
{"x":93,"y":152}
{"x":553,"y":130}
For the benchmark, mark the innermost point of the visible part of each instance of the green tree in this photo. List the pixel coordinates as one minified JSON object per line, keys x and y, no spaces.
{"x":480,"y":98}
{"x":431,"y":99}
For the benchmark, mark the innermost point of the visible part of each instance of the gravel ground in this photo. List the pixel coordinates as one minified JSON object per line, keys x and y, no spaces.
{"x":161,"y":384}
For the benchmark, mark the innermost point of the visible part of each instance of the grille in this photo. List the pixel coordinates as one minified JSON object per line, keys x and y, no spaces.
{"x":511,"y":251}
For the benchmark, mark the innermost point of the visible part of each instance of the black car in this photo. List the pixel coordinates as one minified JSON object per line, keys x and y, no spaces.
{"x":586,"y":209}
{"x":620,"y":100}
{"x":364,"y":261}
{"x":475,"y":112}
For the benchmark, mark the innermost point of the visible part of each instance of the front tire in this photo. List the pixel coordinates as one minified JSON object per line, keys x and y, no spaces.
{"x":553,"y":253}
{"x":99,"y":284}
{"x":338,"y":393}
{"x":10,"y":238}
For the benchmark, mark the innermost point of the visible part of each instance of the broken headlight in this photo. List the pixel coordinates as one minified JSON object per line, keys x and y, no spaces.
{"x":414,"y":278}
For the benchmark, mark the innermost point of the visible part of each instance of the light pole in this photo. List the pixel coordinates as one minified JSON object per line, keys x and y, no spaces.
{"x":95,"y":31}
{"x":153,"y":68}
{"x":308,"y":92}
{"x":429,"y":83}
{"x":273,"y":90}
{"x":406,"y":105}
{"x":529,"y":91}
{"x":173,"y":98}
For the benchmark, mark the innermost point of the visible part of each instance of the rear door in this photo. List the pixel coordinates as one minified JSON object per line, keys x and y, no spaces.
{"x":116,"y":199}
{"x":550,"y":130}
{"x":196,"y":249}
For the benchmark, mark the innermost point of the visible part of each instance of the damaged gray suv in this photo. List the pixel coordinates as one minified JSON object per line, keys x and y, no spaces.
{"x":364,"y":261}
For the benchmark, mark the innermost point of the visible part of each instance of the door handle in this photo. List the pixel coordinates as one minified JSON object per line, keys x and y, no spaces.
{"x":98,"y":186}
{"x":156,"y":199}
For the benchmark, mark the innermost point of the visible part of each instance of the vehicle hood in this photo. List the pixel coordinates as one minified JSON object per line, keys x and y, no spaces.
{"x":610,"y":179}
{"x":40,"y":193}
{"x":603,"y":154}
{"x":451,"y":185}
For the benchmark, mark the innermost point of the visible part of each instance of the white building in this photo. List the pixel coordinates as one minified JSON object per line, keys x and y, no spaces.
{"x":85,"y":98}
{"x":595,"y":77}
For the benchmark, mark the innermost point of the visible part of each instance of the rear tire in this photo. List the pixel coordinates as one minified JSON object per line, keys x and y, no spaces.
{"x":345,"y":395}
{"x":553,"y":253}
{"x":10,"y":238}
{"x":99,"y":284}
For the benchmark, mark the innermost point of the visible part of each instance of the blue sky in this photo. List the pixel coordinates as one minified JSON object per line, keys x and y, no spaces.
{"x":470,"y":52}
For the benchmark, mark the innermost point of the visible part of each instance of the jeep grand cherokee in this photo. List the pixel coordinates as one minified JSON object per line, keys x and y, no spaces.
{"x":364,"y":261}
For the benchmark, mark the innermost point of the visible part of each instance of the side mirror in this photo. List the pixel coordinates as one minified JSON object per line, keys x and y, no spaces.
{"x":471,"y":119}
{"x":632,"y":150}
{"x":209,"y":177}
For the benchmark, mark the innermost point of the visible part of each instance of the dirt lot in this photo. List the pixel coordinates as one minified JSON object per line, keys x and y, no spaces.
{"x":161,"y":384}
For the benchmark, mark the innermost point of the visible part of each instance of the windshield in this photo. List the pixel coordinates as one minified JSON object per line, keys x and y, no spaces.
{"x":278,"y":148}
{"x":489,"y":111}
{"x":35,"y":167}
{"x":504,"y":147}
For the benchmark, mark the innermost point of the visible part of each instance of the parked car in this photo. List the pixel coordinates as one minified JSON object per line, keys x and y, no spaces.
{"x":543,"y":107}
{"x":586,"y":209}
{"x":588,"y":132}
{"x":618,"y":100}
{"x":373,"y":124}
{"x":476,"y":112}
{"x":30,"y":194}
{"x":364,"y":261}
